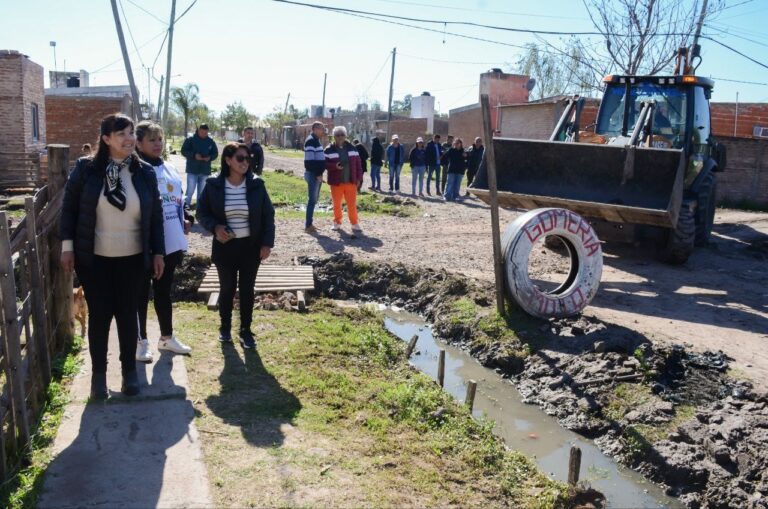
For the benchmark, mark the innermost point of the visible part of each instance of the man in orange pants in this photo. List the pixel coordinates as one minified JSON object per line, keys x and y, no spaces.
{"x":345,"y":171}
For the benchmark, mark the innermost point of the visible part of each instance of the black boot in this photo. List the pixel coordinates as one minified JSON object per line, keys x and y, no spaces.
{"x":130,"y":383}
{"x":225,"y":334}
{"x":99,"y":390}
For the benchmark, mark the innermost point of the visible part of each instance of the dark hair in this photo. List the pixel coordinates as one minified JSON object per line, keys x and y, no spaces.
{"x":230,"y":149}
{"x":436,"y":136}
{"x":110,"y":124}
{"x":147,"y":127}
{"x":376,"y":141}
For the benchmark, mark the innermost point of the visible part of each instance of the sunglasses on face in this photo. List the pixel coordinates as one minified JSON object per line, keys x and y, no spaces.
{"x":240,"y":158}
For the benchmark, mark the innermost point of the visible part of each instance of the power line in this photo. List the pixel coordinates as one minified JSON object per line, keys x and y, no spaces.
{"x":146,"y":11}
{"x":450,"y":61}
{"x":377,"y":74}
{"x":120,"y":59}
{"x":464,"y":9}
{"x":739,"y":81}
{"x":128,"y":25}
{"x":186,"y":10}
{"x":162,"y":45}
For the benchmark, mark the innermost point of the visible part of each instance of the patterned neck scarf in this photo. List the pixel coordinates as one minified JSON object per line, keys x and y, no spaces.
{"x":113,"y":187}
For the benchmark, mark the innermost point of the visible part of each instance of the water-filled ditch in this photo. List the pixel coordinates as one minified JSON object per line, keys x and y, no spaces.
{"x":525,"y":427}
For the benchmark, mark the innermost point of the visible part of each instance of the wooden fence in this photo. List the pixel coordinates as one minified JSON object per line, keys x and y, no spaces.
{"x":35,"y":298}
{"x":22,"y":170}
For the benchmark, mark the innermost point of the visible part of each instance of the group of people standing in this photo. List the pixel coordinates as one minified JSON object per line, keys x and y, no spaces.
{"x":123,"y":226}
{"x":448,"y":162}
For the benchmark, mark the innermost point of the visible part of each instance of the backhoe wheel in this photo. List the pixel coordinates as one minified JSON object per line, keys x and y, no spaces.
{"x":680,"y":241}
{"x":705,"y":209}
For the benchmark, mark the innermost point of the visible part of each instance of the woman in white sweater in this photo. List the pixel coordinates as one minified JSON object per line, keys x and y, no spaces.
{"x":176,"y":224}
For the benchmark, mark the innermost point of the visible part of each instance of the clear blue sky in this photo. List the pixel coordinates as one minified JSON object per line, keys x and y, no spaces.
{"x":257,"y":51}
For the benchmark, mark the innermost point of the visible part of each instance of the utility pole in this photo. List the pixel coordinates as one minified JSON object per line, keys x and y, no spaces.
{"x":285,"y":111}
{"x":159,"y":98}
{"x":322,"y":111}
{"x":695,"y":48}
{"x":391,"y":89}
{"x":149,"y":93}
{"x":168,"y":66}
{"x":128,"y":70}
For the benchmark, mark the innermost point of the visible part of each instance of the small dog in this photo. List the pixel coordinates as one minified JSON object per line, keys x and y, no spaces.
{"x":79,"y":309}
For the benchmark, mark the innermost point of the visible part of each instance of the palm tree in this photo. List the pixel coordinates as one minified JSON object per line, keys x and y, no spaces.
{"x":186,"y":100}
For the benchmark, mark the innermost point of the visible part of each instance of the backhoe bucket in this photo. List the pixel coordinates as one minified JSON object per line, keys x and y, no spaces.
{"x":616,"y":183}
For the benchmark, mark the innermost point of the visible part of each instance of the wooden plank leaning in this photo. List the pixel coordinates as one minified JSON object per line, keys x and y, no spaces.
{"x":39,"y":323}
{"x":10,"y":331}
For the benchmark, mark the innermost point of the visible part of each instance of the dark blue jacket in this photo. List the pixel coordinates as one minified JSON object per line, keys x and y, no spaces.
{"x":391,"y":154}
{"x":203,"y":146}
{"x":78,"y":211}
{"x":456,"y":160}
{"x":434,"y":153}
{"x":314,"y":157}
{"x":417,"y":157}
{"x":261,"y":213}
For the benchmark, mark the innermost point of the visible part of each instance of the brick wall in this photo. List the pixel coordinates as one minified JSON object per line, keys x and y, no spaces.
{"x":749,"y":116}
{"x":75,"y":120}
{"x":536,"y":120}
{"x":746,"y":174}
{"x":466,"y":123}
{"x":21,"y":85}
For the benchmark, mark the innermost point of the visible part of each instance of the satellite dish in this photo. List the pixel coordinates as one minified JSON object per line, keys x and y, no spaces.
{"x":531,"y":83}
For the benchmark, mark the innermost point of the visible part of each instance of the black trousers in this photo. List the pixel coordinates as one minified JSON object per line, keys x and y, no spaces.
{"x":237,"y":263}
{"x":162,"y":292}
{"x":471,"y":176}
{"x":111,"y":288}
{"x":443,"y":179}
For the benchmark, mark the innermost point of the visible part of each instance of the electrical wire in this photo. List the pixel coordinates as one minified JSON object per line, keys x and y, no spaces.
{"x":146,"y":11}
{"x":131,"y":53}
{"x":465,"y":9}
{"x":739,"y":81}
{"x":186,"y":11}
{"x":130,"y":32}
{"x":449,"y":61}
{"x":389,"y":55}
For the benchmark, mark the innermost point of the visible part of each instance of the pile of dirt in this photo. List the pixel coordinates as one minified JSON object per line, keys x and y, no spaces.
{"x":672,"y":414}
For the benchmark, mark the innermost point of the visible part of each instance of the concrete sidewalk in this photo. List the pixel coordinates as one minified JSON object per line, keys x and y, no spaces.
{"x":129,"y":452}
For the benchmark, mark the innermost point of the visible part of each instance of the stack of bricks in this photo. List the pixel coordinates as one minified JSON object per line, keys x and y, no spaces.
{"x":75,"y":120}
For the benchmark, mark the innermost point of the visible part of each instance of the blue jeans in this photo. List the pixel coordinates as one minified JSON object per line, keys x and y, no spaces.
{"x":195,"y":182}
{"x":394,"y":176}
{"x":452,"y":186}
{"x":376,"y":177}
{"x":417,"y":173}
{"x":313,"y":194}
{"x":435,"y":168}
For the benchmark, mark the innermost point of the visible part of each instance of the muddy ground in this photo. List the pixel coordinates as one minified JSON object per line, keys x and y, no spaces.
{"x":714,"y":453}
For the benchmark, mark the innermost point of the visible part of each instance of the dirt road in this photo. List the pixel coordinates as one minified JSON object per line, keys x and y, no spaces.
{"x":717,"y":301}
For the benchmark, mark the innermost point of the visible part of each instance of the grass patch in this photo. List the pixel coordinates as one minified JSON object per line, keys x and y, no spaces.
{"x":23,"y":487}
{"x":463,"y":311}
{"x":285,"y":152}
{"x":328,"y":412}
{"x":639,"y":438}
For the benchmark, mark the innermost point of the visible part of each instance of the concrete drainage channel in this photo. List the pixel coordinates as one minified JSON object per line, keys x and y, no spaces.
{"x":524,"y":427}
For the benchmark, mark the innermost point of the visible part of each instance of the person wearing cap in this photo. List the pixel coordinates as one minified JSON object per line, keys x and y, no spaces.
{"x":200,"y":150}
{"x":418,"y":161}
{"x":474,"y":158}
{"x":395,"y":160}
{"x":345,"y":170}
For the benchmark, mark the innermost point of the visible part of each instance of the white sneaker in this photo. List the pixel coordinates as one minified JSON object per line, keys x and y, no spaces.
{"x":143,"y":351}
{"x":336,"y":227}
{"x":356,"y":228}
{"x":173,"y":345}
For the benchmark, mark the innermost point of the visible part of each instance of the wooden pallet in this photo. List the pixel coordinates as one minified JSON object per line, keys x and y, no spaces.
{"x":270,"y":278}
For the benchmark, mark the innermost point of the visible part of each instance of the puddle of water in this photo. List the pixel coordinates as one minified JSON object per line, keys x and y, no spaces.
{"x":523,"y":427}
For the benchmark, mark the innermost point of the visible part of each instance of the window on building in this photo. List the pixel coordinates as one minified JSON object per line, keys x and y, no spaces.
{"x":35,"y":122}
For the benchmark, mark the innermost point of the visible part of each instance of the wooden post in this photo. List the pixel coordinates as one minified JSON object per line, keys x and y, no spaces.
{"x":10,"y":331}
{"x":61,"y":281}
{"x":490,"y":166}
{"x":39,"y":323}
{"x":441,"y":368}
{"x":411,"y":346}
{"x":574,"y":465}
{"x":470,"y":399}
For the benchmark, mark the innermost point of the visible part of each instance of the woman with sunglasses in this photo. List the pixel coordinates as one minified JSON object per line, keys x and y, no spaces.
{"x":236,"y":208}
{"x":345,"y":171}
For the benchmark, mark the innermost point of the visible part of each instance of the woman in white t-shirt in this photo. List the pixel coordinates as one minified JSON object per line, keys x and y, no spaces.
{"x":176,"y":224}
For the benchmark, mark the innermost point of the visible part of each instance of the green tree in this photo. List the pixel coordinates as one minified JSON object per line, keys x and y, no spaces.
{"x":202,"y":114}
{"x":235,"y":116}
{"x":185,"y":100}
{"x":403,"y":106}
{"x":555,"y":73}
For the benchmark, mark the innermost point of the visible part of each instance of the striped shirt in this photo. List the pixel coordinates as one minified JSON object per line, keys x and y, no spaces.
{"x":236,"y":209}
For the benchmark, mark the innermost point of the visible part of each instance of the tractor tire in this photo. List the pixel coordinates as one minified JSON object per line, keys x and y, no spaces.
{"x":680,"y":241}
{"x":576,"y":235}
{"x":705,"y":209}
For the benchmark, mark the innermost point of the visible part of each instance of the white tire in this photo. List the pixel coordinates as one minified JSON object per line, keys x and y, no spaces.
{"x":586,"y":253}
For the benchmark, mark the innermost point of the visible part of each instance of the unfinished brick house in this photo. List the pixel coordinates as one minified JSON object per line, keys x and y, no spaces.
{"x":73,"y":114}
{"x":22,"y":110}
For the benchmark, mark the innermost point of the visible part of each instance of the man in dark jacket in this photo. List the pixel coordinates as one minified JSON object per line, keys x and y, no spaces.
{"x":363,"y":152}
{"x":314,"y":166}
{"x":434,"y":153}
{"x":254,"y":147}
{"x":446,"y":147}
{"x":475,"y":157}
{"x":200,"y":150}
